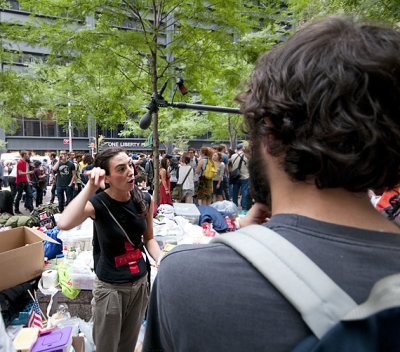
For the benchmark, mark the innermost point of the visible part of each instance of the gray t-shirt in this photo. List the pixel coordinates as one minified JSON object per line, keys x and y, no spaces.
{"x":64,"y":173}
{"x":209,"y":298}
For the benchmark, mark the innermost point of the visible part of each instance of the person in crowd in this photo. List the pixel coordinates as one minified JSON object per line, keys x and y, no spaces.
{"x":225,"y":181}
{"x":88,"y":161}
{"x":173,"y":170}
{"x":141,"y":182}
{"x":123,"y":227}
{"x":65,"y":181}
{"x":193,"y":163}
{"x":218,"y":179}
{"x":23,"y":182}
{"x":143,"y":158}
{"x":39,"y":178}
{"x":230,"y":152}
{"x":82,"y":163}
{"x":165,"y":186}
{"x":76,"y":159}
{"x":140,"y":170}
{"x":205,"y":190}
{"x":78,"y":182}
{"x":149,"y":168}
{"x":7,"y":168}
{"x":53,"y":176}
{"x":47,"y":169}
{"x":12,"y":181}
{"x":241,"y":186}
{"x":322,"y":114}
{"x":186,"y":173}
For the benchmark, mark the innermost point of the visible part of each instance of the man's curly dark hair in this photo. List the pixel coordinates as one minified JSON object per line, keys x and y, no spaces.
{"x":328,"y":103}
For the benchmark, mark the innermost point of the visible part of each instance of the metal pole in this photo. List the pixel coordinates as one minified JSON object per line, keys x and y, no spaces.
{"x":69,"y":127}
{"x":203,"y":107}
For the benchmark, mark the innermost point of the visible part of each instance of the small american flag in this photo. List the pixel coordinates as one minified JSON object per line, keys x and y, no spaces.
{"x":35,"y":319}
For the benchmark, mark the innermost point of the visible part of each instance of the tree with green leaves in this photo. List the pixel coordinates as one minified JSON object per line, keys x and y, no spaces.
{"x":108,"y":57}
{"x":387,"y":11}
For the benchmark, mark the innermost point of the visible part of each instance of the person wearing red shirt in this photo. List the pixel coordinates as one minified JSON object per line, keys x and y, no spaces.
{"x":23,"y":182}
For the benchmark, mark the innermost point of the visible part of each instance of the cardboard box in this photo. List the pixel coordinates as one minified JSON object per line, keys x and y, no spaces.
{"x":21,"y":255}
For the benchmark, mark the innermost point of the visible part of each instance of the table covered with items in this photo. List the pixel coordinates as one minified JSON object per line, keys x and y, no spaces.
{"x":46,"y":288}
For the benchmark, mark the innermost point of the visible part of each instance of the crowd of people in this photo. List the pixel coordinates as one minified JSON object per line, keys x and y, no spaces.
{"x":65,"y":175}
{"x":187,"y":168}
{"x":28,"y":178}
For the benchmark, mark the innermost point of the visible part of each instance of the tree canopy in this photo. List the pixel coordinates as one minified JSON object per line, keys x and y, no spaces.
{"x":107,"y":57}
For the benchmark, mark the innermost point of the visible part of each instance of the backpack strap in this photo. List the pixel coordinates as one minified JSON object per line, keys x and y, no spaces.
{"x":384,"y":295}
{"x":317,"y":298}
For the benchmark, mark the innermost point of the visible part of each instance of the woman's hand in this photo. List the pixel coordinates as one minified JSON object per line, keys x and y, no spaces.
{"x":158,"y":261}
{"x":258,"y":214}
{"x":96,"y":177}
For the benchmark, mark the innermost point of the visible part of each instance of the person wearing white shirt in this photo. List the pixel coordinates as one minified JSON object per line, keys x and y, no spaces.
{"x":188,"y":186}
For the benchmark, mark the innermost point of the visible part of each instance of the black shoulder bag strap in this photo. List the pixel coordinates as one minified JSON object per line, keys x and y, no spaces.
{"x":186,"y":176}
{"x":233,"y":162}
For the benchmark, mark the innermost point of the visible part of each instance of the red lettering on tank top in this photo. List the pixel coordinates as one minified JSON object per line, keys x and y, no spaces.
{"x":130,"y":258}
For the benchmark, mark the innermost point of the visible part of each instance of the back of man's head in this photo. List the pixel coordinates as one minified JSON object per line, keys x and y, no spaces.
{"x":328,"y":100}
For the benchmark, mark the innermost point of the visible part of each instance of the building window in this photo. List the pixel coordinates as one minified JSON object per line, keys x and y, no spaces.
{"x":14,"y":5}
{"x":77,"y":132}
{"x":62,"y":130}
{"x":49,"y":128}
{"x":20,"y":127}
{"x":32,"y":128}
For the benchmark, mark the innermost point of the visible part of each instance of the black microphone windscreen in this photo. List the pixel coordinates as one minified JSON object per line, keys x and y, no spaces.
{"x":145,"y":121}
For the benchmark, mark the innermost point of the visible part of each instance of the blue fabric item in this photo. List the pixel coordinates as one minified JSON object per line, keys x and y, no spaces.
{"x":51,"y":249}
{"x":212,"y":215}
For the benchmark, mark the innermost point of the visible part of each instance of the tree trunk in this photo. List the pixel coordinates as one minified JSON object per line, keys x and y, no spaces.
{"x":156,"y":159}
{"x":154,"y":80}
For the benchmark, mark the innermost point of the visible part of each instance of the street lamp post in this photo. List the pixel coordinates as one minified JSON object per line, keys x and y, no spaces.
{"x":69,"y":126}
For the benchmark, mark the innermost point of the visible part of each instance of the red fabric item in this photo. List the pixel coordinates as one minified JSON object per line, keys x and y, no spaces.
{"x":231,"y":224}
{"x":208,"y":229}
{"x":385,"y":198}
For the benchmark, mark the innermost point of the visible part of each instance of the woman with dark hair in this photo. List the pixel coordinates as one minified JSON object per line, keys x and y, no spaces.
{"x":185,"y":178}
{"x":165,"y":185}
{"x":88,"y":160}
{"x":123,"y":221}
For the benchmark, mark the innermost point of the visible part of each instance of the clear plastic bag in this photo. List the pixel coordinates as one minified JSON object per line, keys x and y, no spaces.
{"x":226,"y":208}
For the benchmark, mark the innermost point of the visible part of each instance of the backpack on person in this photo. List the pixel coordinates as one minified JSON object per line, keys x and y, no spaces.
{"x":234,"y":175}
{"x":211,"y":170}
{"x":337,"y":322}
